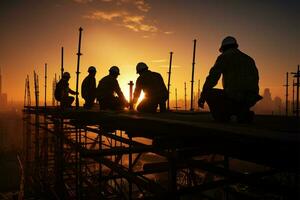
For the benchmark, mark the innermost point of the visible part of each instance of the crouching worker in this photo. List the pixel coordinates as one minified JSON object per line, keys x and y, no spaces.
{"x":88,"y":88}
{"x":153,"y":87}
{"x":109,"y":93}
{"x":62,"y":91}
{"x":240,"y":83}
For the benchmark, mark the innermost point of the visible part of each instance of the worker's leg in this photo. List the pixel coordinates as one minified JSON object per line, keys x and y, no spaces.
{"x":66,"y":102}
{"x":70,"y":101}
{"x":219,"y":105}
{"x":244,"y":114}
{"x":147,"y":106}
{"x":89,"y":102}
{"x":104,"y":105}
{"x":162,"y":106}
{"x":117,"y":104}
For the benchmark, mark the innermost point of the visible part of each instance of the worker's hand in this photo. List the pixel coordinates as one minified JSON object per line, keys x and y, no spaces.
{"x":126,"y":104}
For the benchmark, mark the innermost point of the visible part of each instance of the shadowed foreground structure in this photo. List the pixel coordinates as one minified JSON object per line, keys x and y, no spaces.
{"x":79,"y":154}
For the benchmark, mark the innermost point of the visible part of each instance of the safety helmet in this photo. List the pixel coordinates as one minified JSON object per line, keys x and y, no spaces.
{"x":92,"y":69}
{"x":140,"y":67}
{"x":66,"y":75}
{"x":114,"y":70}
{"x":229,"y":40}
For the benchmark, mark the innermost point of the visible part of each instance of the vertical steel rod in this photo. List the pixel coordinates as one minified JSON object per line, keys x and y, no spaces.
{"x":130,"y":95}
{"x":185,"y":96}
{"x":169,"y":79}
{"x":286,"y":93}
{"x":78,"y":65}
{"x":62,"y":62}
{"x":192,"y":81}
{"x":293,"y":98}
{"x":45,"y":104}
{"x":176,"y":98}
{"x":297,"y":89}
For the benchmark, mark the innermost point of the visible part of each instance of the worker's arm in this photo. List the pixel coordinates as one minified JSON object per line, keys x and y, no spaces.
{"x":119,"y":92}
{"x":137,"y":91}
{"x":72,"y":91}
{"x":211,"y":80}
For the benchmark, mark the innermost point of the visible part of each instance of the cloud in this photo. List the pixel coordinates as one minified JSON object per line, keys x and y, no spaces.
{"x":168,"y":32}
{"x":136,"y":23}
{"x":83,"y":1}
{"x":130,"y":14}
{"x":159,"y":61}
{"x":105,"y":16}
{"x":141,"y":5}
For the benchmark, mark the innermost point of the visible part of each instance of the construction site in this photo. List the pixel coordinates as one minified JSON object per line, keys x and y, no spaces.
{"x":74,"y":153}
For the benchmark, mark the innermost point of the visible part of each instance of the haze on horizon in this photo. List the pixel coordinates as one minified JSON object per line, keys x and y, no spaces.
{"x":125,"y":32}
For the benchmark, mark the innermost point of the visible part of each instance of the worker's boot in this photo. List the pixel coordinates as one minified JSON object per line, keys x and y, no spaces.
{"x":245,"y":117}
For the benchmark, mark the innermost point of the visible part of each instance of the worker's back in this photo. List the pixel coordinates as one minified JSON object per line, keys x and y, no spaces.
{"x":153,"y":85}
{"x":61,"y":90}
{"x":88,"y":87}
{"x":240,"y":74}
{"x":108,"y":88}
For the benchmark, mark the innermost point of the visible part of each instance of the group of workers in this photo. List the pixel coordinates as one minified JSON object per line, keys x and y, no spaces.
{"x":239,"y":77}
{"x":109,"y":94}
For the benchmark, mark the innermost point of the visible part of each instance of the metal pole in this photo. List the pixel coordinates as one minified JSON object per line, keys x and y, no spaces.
{"x":286,"y":93}
{"x":297,"y":97}
{"x":28,"y":92}
{"x":198,"y":95}
{"x":184,"y":95}
{"x":62,"y":61}
{"x":169,"y":80}
{"x":293,"y":98}
{"x":45,"y":104}
{"x":0,"y":82}
{"x":55,"y":81}
{"x":176,"y":98}
{"x":78,"y":64}
{"x":36,"y":92}
{"x":130,"y":95}
{"x":192,"y":82}
{"x":25,"y":92}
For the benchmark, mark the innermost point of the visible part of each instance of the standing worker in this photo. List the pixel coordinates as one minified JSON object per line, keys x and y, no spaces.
{"x":109,"y":93}
{"x":154,"y":88}
{"x":62,"y":91}
{"x":88,"y":88}
{"x":240,"y":83}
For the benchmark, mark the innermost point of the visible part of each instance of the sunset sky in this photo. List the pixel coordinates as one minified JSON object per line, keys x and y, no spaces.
{"x":125,"y":32}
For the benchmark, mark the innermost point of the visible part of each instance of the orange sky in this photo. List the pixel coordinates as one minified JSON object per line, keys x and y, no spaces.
{"x":125,"y":32}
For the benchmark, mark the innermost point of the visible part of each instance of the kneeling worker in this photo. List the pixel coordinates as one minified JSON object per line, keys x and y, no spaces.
{"x":240,"y":82}
{"x":109,"y":93}
{"x":154,"y":88}
{"x":62,"y":91}
{"x":88,"y":88}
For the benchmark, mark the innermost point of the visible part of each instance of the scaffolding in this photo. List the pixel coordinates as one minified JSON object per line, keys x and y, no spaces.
{"x":80,"y":154}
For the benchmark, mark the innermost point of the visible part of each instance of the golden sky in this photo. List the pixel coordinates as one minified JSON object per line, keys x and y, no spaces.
{"x":125,"y":32}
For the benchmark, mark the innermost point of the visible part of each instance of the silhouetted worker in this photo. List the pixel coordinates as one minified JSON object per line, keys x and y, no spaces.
{"x":153,"y":87}
{"x":88,"y":88}
{"x":109,"y":93}
{"x":62,"y":91}
{"x":240,"y":83}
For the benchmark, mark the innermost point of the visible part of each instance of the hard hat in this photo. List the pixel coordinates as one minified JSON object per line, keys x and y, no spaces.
{"x":140,"y":67}
{"x":66,"y":75}
{"x":114,"y":70}
{"x":92,"y":69}
{"x":229,"y":40}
